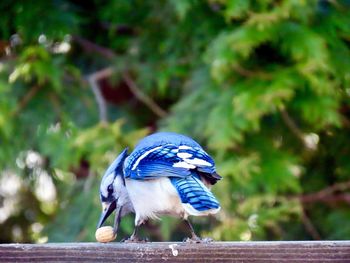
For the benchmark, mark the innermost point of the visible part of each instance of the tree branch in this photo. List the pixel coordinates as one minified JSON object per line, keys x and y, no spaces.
{"x":329,"y":199}
{"x":92,"y":47}
{"x":25,"y":99}
{"x":109,"y":54}
{"x":292,"y":125}
{"x":330,"y":194}
{"x":93,"y":82}
{"x":309,"y":226}
{"x":140,"y":95}
{"x":250,"y":74}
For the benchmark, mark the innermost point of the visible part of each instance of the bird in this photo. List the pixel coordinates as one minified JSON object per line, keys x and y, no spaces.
{"x":166,"y":174}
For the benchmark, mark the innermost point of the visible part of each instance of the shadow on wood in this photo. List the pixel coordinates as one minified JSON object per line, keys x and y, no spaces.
{"x":294,"y":251}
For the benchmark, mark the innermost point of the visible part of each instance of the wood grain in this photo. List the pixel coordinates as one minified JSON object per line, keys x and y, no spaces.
{"x":294,"y":251}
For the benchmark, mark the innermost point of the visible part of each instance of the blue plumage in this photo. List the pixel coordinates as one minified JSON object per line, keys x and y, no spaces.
{"x":162,"y":138}
{"x":179,"y":158}
{"x":117,"y":165}
{"x":153,"y":162}
{"x":192,"y":191}
{"x":166,"y":173}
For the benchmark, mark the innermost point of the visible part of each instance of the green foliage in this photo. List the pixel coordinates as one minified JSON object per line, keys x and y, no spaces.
{"x":263,"y":85}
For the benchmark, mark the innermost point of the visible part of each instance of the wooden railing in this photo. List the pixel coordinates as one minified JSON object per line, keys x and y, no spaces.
{"x":288,"y":251}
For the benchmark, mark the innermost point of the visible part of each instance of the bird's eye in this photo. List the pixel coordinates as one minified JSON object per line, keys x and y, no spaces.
{"x":110,"y":188}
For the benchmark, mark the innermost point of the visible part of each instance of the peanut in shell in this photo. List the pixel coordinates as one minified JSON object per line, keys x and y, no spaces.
{"x":105,"y":234}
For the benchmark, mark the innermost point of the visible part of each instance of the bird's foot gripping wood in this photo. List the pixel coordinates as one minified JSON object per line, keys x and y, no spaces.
{"x":135,"y":239}
{"x":196,"y":239}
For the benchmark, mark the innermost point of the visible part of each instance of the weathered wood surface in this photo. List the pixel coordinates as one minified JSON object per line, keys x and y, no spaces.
{"x":295,"y":251}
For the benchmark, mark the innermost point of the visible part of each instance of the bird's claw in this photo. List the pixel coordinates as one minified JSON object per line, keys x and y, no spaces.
{"x":135,"y":239}
{"x":197,"y":240}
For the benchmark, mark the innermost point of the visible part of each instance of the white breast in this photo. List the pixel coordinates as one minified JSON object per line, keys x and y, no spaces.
{"x":155,"y":197}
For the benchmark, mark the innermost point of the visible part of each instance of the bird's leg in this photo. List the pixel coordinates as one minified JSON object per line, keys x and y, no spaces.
{"x":194,"y":238}
{"x":134,"y":238}
{"x":117,"y":220}
{"x":193,"y":234}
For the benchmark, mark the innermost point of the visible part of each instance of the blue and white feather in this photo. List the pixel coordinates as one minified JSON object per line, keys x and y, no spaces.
{"x":169,"y":173}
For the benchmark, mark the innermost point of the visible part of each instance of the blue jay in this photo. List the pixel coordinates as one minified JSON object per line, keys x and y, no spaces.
{"x":166,"y":174}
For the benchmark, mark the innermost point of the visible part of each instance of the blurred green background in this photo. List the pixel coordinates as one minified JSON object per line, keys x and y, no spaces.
{"x":263,"y":85}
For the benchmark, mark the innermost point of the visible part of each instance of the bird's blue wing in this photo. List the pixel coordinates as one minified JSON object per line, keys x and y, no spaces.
{"x":167,"y":160}
{"x":193,"y":192}
{"x":153,"y":170}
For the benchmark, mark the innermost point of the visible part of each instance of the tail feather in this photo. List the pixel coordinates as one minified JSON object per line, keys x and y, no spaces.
{"x":194,"y":193}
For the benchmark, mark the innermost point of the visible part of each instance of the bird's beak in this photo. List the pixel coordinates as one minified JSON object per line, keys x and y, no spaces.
{"x":106,"y":212}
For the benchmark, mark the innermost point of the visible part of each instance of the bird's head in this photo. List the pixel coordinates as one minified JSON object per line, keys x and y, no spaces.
{"x":113,"y":194}
{"x":108,"y":198}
